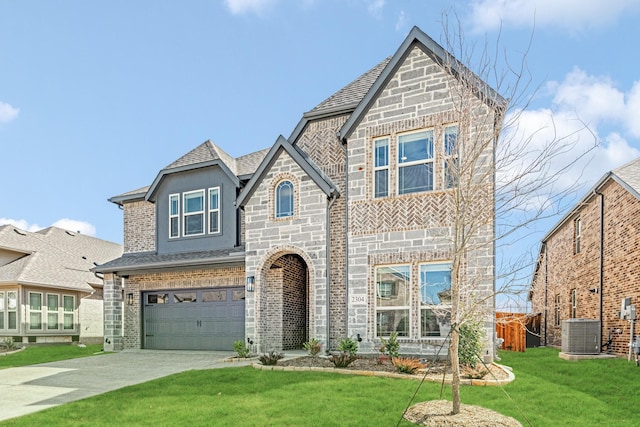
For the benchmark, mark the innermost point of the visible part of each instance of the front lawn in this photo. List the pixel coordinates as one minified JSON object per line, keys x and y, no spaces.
{"x":548,"y":391}
{"x":46,"y":353}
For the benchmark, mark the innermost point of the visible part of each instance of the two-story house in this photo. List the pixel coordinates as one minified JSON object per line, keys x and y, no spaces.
{"x":343,"y":229}
{"x":588,"y":263}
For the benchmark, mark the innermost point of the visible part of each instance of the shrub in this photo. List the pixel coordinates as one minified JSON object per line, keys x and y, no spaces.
{"x":390,"y":347}
{"x":270,"y":358}
{"x":407,"y":365}
{"x":474,"y":372}
{"x":470,"y":347}
{"x":313,"y":346}
{"x":8,"y":344}
{"x":348,"y":345}
{"x":342,"y":359}
{"x":241,"y":348}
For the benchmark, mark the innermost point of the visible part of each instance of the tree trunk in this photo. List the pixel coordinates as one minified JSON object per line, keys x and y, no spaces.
{"x":455,"y":370}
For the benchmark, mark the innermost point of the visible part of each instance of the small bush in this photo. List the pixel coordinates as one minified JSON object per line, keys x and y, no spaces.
{"x":270,"y":358}
{"x":342,"y":359}
{"x":8,"y":344}
{"x":474,"y":372}
{"x":313,"y":346}
{"x":390,"y":347}
{"x":348,"y":345}
{"x":470,"y":347}
{"x":407,"y":365}
{"x":241,"y":348}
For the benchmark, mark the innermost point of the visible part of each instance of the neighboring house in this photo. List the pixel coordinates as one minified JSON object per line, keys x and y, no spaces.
{"x":334,"y":232}
{"x":48,"y":293}
{"x":589,"y":261}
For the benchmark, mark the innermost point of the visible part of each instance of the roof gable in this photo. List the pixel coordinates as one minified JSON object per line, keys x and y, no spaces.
{"x":282,"y":144}
{"x":415,"y":38}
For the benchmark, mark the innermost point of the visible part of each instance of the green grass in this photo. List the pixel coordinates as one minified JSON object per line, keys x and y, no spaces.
{"x":46,"y":353}
{"x":548,"y":391}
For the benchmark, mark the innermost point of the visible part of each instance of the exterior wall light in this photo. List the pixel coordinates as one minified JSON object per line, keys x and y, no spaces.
{"x":251,"y":283}
{"x":129,"y":299}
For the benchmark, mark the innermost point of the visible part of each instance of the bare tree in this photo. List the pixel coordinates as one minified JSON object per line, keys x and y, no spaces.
{"x":502,"y":181}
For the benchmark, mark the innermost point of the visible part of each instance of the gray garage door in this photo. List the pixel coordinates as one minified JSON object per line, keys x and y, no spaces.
{"x":193,"y":319}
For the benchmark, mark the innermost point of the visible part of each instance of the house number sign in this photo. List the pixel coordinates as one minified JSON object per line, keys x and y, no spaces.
{"x":358,"y":299}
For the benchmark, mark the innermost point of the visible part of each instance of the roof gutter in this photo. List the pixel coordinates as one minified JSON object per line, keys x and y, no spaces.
{"x":601,"y":263}
{"x":170,"y":265}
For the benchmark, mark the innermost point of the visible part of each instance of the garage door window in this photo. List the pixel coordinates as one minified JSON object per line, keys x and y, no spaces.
{"x":212,"y":296}
{"x":184,"y":297}
{"x":157,"y":298}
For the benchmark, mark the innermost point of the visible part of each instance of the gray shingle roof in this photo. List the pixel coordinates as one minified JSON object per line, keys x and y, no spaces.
{"x":53,"y":258}
{"x":153,"y":261}
{"x":205,"y":152}
{"x":630,"y":174}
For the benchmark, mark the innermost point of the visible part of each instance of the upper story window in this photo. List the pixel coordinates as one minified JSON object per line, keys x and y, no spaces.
{"x":284,"y":199}
{"x":450,"y":141}
{"x":381,"y":167}
{"x":214,"y":210}
{"x":415,"y":162}
{"x":174,"y":215}
{"x":577,"y":231}
{"x":193,"y":216}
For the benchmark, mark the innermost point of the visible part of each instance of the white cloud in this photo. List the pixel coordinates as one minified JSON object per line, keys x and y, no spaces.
{"x":7,"y":112}
{"x":401,"y":22}
{"x":572,"y":15}
{"x":375,"y":7}
{"x":65,"y":223}
{"x":77,"y":226}
{"x":238,"y":7}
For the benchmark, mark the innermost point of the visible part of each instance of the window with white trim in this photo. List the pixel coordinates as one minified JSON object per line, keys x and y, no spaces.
{"x":193,"y":215}
{"x":12,"y":310}
{"x":68,"y":312}
{"x":174,"y":216}
{"x":284,"y":199}
{"x":574,"y":303}
{"x":577,"y":232}
{"x":381,"y":167}
{"x":2,"y":310}
{"x":435,"y":300}
{"x":35,"y":311}
{"x":214,"y":210}
{"x":415,"y":162}
{"x":393,"y":300}
{"x":450,"y":141}
{"x":558,"y":312}
{"x":53,"y":305}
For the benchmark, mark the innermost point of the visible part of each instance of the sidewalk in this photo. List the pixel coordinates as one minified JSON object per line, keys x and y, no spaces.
{"x":33,"y":388}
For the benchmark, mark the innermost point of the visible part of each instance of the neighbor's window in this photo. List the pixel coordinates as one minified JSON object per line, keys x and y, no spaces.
{"x":52,"y":311}
{"x":2,"y":310}
{"x":174,"y":215}
{"x":558,"y":310}
{"x":12,"y":310}
{"x":214,"y":210}
{"x":435,"y":300}
{"x":393,"y":290}
{"x":574,"y":303}
{"x":284,"y":199}
{"x":415,"y":162}
{"x":35,"y":310}
{"x":381,"y":167}
{"x":450,"y":156}
{"x":577,"y":231}
{"x":193,"y":206}
{"x":68,"y":308}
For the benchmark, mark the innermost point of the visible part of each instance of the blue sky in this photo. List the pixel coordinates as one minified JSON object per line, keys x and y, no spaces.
{"x":97,"y":97}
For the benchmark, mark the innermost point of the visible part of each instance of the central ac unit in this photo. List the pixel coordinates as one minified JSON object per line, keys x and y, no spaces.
{"x":581,"y":336}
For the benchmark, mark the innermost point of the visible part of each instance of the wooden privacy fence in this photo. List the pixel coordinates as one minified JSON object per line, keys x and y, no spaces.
{"x":511,"y":327}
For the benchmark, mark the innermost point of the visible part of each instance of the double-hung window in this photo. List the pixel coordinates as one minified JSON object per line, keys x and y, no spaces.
{"x":193,"y":216}
{"x":574,"y":303}
{"x":174,"y":215}
{"x":284,"y":199}
{"x":435,"y":300}
{"x":35,"y":310}
{"x":450,"y":156}
{"x":214,"y":210}
{"x":52,"y":311}
{"x":12,"y":310}
{"x":381,"y":167}
{"x":577,"y":224}
{"x":393,"y":300}
{"x":68,"y":312}
{"x":415,"y":162}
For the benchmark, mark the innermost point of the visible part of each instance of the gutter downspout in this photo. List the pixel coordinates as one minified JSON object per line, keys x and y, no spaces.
{"x":330,"y":201}
{"x":343,"y":145}
{"x":601,"y":266}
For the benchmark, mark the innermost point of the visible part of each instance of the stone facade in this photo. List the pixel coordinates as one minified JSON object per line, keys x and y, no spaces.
{"x":562,"y":269}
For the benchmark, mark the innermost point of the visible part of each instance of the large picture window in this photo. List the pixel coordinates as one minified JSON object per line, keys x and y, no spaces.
{"x":393,"y":299}
{"x":435,"y":300}
{"x":284,"y":199}
{"x":381,"y":167}
{"x":214,"y":210}
{"x":193,"y":205}
{"x":415,"y":162}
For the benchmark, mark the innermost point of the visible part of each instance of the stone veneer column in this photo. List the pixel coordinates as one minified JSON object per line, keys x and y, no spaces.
{"x":112,"y":313}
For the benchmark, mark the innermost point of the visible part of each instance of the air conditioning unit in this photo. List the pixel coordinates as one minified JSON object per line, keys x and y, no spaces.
{"x":581,"y":336}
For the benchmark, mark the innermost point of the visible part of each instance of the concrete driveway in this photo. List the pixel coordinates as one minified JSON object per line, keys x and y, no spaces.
{"x":37,"y":387}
